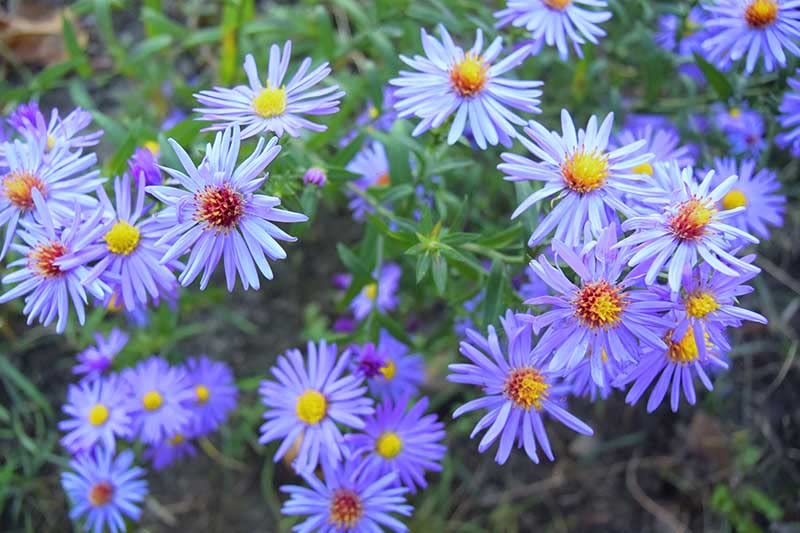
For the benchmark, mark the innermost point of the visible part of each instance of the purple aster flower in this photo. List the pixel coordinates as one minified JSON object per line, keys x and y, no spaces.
{"x":161,"y":395}
{"x":390,"y":370}
{"x":372,"y":167}
{"x":532,"y":285}
{"x":308,"y":400}
{"x":675,"y":367}
{"x":402,"y":440}
{"x":344,"y":324}
{"x":347,"y":501}
{"x":687,"y":228}
{"x":98,"y":414}
{"x":279,"y":107}
{"x":752,"y":28}
{"x":214,"y":394}
{"x":380,"y":295}
{"x":745,"y":129}
{"x":52,"y":268}
{"x":578,"y":170}
{"x":556,"y":22}
{"x":220,"y":216}
{"x":143,"y":163}
{"x":583,"y":385}
{"x":756,"y":192}
{"x":126,"y":248}
{"x":604,"y":318}
{"x":684,"y":37}
{"x":789,"y":117}
{"x":518,"y":390}
{"x":63,"y":180}
{"x":468,"y":83}
{"x":373,"y":117}
{"x":62,"y":133}
{"x":104,"y":489}
{"x":96,"y":360}
{"x":23,"y":118}
{"x":315,"y":176}
{"x":169,"y":451}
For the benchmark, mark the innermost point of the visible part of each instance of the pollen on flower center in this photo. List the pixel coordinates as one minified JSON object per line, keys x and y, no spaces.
{"x":98,"y":414}
{"x":220,"y":207}
{"x":559,"y":5}
{"x":346,"y":509}
{"x":202,"y":394}
{"x":122,"y":238}
{"x":388,"y":445}
{"x":526,"y":387}
{"x":734,"y":199}
{"x":761,"y":13}
{"x":18,"y":185}
{"x":388,"y":370}
{"x":370,"y":290}
{"x":152,"y":400}
{"x":469,"y":76}
{"x":685,"y":350}
{"x":178,"y":438}
{"x":270,"y":102}
{"x":599,"y":305}
{"x":585,"y":171}
{"x":644,"y":168}
{"x":691,"y":221}
{"x":311,"y":407}
{"x":384,"y":180}
{"x":699,"y":304}
{"x":101,"y":493}
{"x":42,"y":259}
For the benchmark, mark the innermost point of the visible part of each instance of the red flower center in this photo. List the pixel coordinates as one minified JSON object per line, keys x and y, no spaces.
{"x":17,"y":187}
{"x":691,"y":221}
{"x":101,"y":493}
{"x":599,"y":305}
{"x":220,"y":207}
{"x":42,"y":259}
{"x":346,"y":509}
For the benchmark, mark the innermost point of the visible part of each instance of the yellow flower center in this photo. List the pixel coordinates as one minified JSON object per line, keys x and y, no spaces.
{"x":469,"y":76}
{"x":599,"y":305}
{"x":644,"y":168}
{"x":388,"y":445}
{"x":735,"y":112}
{"x":388,"y":370}
{"x":734,"y":199}
{"x":761,"y":13}
{"x":691,"y":221}
{"x":559,"y":5}
{"x":270,"y":102}
{"x":684,"y":351}
{"x":370,"y":291}
{"x":18,"y":185}
{"x":51,"y":142}
{"x":177,"y":439}
{"x":699,"y":304}
{"x":526,"y":388}
{"x":114,"y":303}
{"x":122,"y":238}
{"x":152,"y":400}
{"x":202,"y":393}
{"x":311,"y":407}
{"x":584,"y":172}
{"x":373,"y":112}
{"x":98,"y":414}
{"x":152,"y":146}
{"x":346,"y":509}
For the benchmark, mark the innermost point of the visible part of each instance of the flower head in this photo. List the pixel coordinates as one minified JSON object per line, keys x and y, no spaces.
{"x":98,"y":411}
{"x":379,"y":294}
{"x":789,"y":116}
{"x":57,"y":134}
{"x":280,"y":106}
{"x":215,"y":394}
{"x":144,"y":163}
{"x":315,"y":176}
{"x":391,"y":372}
{"x":745,"y":129}
{"x":372,"y":167}
{"x":470,"y":84}
{"x":169,"y":451}
{"x":96,"y":360}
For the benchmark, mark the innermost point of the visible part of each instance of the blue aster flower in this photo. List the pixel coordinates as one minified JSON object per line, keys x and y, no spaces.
{"x":577,"y":169}
{"x":104,"y":490}
{"x":52,"y":268}
{"x":99,"y":414}
{"x":169,"y":451}
{"x":789,"y":117}
{"x":688,"y":227}
{"x":391,"y":372}
{"x":470,"y":84}
{"x":400,"y":439}
{"x":280,"y":106}
{"x":745,"y":129}
{"x":752,"y":29}
{"x":306,"y":402}
{"x":519,"y":390}
{"x":161,"y":394}
{"x":24,"y":116}
{"x":215,"y":394}
{"x":144,"y":163}
{"x":219,"y":216}
{"x":557,"y":23}
{"x":372,"y":167}
{"x":684,"y":37}
{"x":96,"y":360}
{"x":380,"y":294}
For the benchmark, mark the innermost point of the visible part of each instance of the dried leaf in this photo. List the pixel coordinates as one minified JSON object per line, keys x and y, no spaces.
{"x":34,"y":34}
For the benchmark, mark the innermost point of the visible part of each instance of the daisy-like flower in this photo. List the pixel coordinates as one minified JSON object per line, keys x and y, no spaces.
{"x":219,"y":215}
{"x":380,"y":294}
{"x":689,"y":227}
{"x":675,"y":367}
{"x":315,"y":176}
{"x":576,"y":167}
{"x":161,"y":394}
{"x":756,"y":192}
{"x":144,"y":163}
{"x":557,"y":23}
{"x":347,"y":501}
{"x":24,"y":116}
{"x":468,"y":83}
{"x":745,"y":129}
{"x":390,"y":370}
{"x":62,"y":133}
{"x":684,"y":37}
{"x":604,"y":317}
{"x":372,"y":167}
{"x":169,"y":451}
{"x":52,"y":268}
{"x":127,"y":251}
{"x":518,"y":390}
{"x":307,"y":401}
{"x":214,"y":394}
{"x":64,"y":180}
{"x":96,"y":360}
{"x":104,"y":490}
{"x":279,"y":107}
{"x":751,"y":29}
{"x":402,"y":440}
{"x":98,"y":412}
{"x":789,"y":117}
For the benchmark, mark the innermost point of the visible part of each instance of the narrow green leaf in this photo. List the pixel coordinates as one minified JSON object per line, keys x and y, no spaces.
{"x":493,"y":301}
{"x":439,"y":273}
{"x":715,"y":78}
{"x":352,"y":262}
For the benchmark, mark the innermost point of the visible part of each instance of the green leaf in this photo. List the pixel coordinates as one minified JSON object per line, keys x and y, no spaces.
{"x":715,"y":78}
{"x":439,"y":273}
{"x":492,"y":303}
{"x":354,"y":264}
{"x":760,"y":501}
{"x":148,"y":47}
{"x":74,"y":49}
{"x":423,"y":264}
{"x":9,"y":372}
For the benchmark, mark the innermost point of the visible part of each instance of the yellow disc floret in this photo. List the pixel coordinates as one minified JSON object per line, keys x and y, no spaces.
{"x":734,"y":199}
{"x":270,"y":102}
{"x":98,"y":414}
{"x":558,"y":5}
{"x":122,"y":238}
{"x":585,"y":171}
{"x":526,"y":387}
{"x":311,"y":407}
{"x":388,"y":370}
{"x":388,"y":445}
{"x":761,"y":13}
{"x":644,"y":168}
{"x":684,"y":351}
{"x":469,"y":76}
{"x":370,"y":290}
{"x":699,"y":304}
{"x":152,"y":400}
{"x":202,"y":394}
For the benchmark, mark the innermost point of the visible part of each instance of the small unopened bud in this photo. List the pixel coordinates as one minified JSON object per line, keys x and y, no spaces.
{"x":315,"y":176}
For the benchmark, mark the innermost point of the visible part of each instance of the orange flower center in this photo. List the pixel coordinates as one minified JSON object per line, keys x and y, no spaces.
{"x":383,"y":180}
{"x":691,"y":221}
{"x":585,"y":171}
{"x":101,"y":493}
{"x":346,"y":509}
{"x":17,"y":187}
{"x":761,"y":13}
{"x":684,"y":351}
{"x":599,"y":305}
{"x":220,"y":207}
{"x":526,"y":387}
{"x":559,"y":5}
{"x":42,"y":259}
{"x":469,"y":76}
